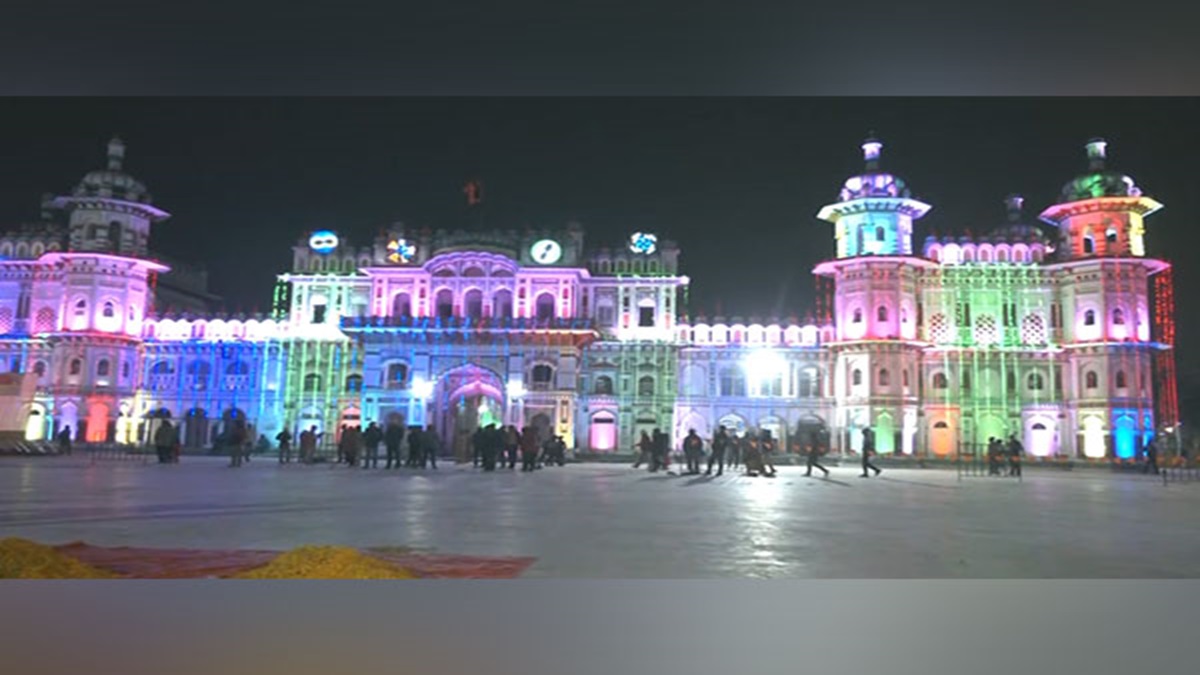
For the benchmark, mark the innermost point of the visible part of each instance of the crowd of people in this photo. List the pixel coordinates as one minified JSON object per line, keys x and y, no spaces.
{"x":360,"y":447}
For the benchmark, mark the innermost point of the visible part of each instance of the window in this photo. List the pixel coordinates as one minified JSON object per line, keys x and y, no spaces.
{"x":904,"y":378}
{"x":542,"y":376}
{"x":354,"y":384}
{"x":198,"y":373}
{"x":1089,"y":244}
{"x":318,"y":314}
{"x":607,"y":316}
{"x":1091,"y":380}
{"x":879,"y":234}
{"x":965,"y":380}
{"x":646,"y":317}
{"x":103,"y":368}
{"x":397,"y":376}
{"x":545,"y":307}
{"x":502,"y":305}
{"x":856,"y":377}
{"x":885,"y":378}
{"x":39,"y":368}
{"x":237,"y":368}
{"x":604,"y":385}
{"x":1089,"y":318}
{"x":109,"y":310}
{"x":940,"y":382}
{"x":882,"y":314}
{"x":125,"y":370}
{"x":857,"y":316}
{"x":646,"y":386}
{"x":1036,"y":382}
{"x":312,"y":383}
{"x":81,"y":308}
{"x":473,"y":304}
{"x":733,"y":382}
{"x":76,"y":366}
{"x":1010,"y":380}
{"x":444,"y":304}
{"x":1118,"y":317}
{"x":1121,"y":380}
{"x":1110,"y":237}
{"x":402,"y":305}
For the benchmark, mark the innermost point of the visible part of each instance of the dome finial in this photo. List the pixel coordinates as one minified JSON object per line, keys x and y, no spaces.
{"x":871,"y":150}
{"x":116,"y":153}
{"x":1096,"y":153}
{"x":1014,"y":203}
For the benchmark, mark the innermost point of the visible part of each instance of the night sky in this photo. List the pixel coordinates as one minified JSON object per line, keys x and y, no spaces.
{"x":737,"y":182}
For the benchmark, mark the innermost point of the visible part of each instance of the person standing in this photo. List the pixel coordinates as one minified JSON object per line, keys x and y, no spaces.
{"x":1015,"y":450}
{"x":237,"y":441}
{"x":432,"y":446}
{"x":719,"y":443}
{"x":735,"y":450}
{"x":341,"y":444}
{"x":64,"y":440}
{"x":1151,"y":457}
{"x":814,"y":455}
{"x":529,"y":449}
{"x":372,"y":437}
{"x":415,"y":450}
{"x":392,"y":438}
{"x":767,"y":447}
{"x":868,"y":449}
{"x":164,"y":441}
{"x":308,"y":445}
{"x":284,"y":438}
{"x":693,"y":451}
{"x":512,"y":443}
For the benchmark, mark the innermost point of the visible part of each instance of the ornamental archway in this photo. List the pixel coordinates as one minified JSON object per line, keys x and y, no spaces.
{"x":466,"y":398}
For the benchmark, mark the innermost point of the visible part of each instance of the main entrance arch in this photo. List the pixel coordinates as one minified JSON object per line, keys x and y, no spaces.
{"x":466,"y":398}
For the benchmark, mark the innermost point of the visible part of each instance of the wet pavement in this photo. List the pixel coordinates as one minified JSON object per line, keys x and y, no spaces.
{"x":610,"y":521}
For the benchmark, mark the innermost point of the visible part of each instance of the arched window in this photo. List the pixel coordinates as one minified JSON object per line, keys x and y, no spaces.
{"x":502,"y":305}
{"x":645,"y":386}
{"x":198,"y":374}
{"x":402,"y":305}
{"x":76,"y":366}
{"x":312,"y":383}
{"x":1121,"y":380}
{"x":1089,"y":318}
{"x":1118,"y":317}
{"x":904,"y":378}
{"x":1091,"y":380}
{"x":733,"y":381}
{"x":879,"y":234}
{"x":1089,"y":243}
{"x":1110,"y":237}
{"x":544,"y":310}
{"x":885,"y":378}
{"x":881,"y":314}
{"x":444,"y":304}
{"x":473,"y":304}
{"x":39,"y":368}
{"x":1036,"y":382}
{"x":857,"y":316}
{"x":397,"y":376}
{"x":856,"y":377}
{"x":940,"y":381}
{"x":541,"y":376}
{"x":354,"y":384}
{"x":109,"y":310}
{"x":604,"y":385}
{"x":102,"y":368}
{"x":237,"y":368}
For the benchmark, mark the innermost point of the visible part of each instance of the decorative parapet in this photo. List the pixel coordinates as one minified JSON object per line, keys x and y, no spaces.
{"x":740,"y":334}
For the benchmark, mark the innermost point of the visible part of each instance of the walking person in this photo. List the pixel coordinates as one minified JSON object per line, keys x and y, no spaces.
{"x":491,"y":444}
{"x":1151,"y":457}
{"x":659,"y":450}
{"x":993,"y":456}
{"x":735,"y":450}
{"x":372,"y":437}
{"x":693,"y":451}
{"x":392,"y":438}
{"x":284,"y":438}
{"x":431,"y":443}
{"x":164,"y":442}
{"x":814,"y":455}
{"x":645,"y":448}
{"x":64,"y":440}
{"x":1015,"y":450}
{"x":415,"y":449}
{"x":308,"y":445}
{"x":720,"y":443}
{"x":868,"y":449}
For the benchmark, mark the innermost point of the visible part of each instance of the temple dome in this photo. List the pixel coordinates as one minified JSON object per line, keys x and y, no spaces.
{"x":111,"y":182}
{"x":873,"y":182}
{"x":1098,"y":181}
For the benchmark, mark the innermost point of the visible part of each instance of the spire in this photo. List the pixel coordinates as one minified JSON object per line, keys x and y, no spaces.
{"x":871,"y":149}
{"x":116,"y":153}
{"x":1014,"y":203}
{"x":1096,"y":153}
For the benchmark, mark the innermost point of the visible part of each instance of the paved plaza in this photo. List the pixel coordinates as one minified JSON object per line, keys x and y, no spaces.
{"x":610,"y":521}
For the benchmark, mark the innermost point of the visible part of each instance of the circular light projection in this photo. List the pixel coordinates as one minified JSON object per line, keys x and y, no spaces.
{"x":400,"y":251}
{"x":644,"y":243}
{"x":546,"y":252}
{"x":323,"y":241}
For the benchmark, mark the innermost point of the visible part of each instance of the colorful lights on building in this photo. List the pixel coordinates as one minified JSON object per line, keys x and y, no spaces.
{"x":644,"y":243}
{"x":323,"y":241}
{"x":400,"y":251}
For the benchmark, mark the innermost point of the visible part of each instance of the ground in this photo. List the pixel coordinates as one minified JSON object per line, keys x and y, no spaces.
{"x":610,"y":521}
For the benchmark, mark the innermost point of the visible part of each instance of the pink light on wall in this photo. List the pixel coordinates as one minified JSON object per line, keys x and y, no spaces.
{"x":602,"y":435}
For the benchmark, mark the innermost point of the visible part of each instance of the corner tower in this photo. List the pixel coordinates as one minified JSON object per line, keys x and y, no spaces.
{"x":875,"y":211}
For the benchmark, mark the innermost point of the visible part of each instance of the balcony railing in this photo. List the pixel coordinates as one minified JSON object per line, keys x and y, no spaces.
{"x":463,"y":323}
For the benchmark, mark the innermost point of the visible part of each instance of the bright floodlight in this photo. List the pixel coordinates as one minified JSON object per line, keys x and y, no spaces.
{"x":516,"y":389}
{"x":422,"y":388}
{"x":764,"y":364}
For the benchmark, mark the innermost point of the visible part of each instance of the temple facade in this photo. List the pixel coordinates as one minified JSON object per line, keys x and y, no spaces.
{"x":1059,"y":332}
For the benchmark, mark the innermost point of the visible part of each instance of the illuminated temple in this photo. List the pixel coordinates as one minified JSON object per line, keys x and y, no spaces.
{"x":1059,"y":332}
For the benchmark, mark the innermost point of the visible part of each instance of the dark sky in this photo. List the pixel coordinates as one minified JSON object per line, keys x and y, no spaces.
{"x":737,"y":182}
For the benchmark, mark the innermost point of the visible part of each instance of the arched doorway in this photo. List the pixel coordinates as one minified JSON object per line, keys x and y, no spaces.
{"x":466,"y":398}
{"x":1041,"y":438}
{"x":98,"y":423}
{"x":1093,"y":438}
{"x":602,"y":432}
{"x":941,"y":438}
{"x":195,"y":433}
{"x":885,"y":434}
{"x":68,"y":419}
{"x":1125,"y":437}
{"x":35,"y":426}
